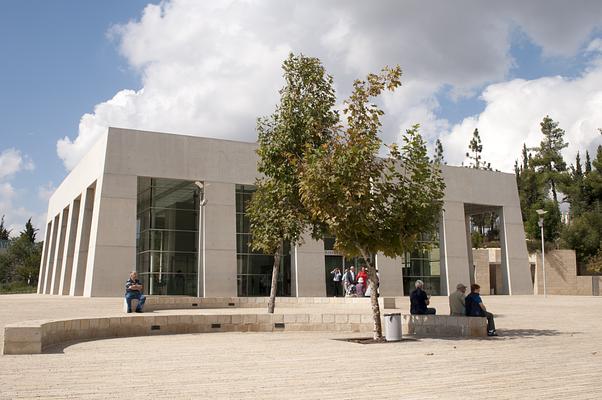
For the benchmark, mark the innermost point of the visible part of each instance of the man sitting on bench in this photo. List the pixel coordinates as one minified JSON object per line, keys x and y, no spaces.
{"x":476,"y":308}
{"x":133,"y":290}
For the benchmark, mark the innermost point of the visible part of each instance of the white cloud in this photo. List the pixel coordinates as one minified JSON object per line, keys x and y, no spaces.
{"x":514,"y":110}
{"x":12,"y":161}
{"x":211,"y":68}
{"x":595,"y":46}
{"x":45,"y":191}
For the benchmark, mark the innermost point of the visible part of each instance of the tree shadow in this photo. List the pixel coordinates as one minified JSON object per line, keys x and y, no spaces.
{"x":513,"y":334}
{"x":533,"y":333}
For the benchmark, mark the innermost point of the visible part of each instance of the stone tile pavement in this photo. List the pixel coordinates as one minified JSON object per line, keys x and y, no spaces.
{"x":548,"y":349}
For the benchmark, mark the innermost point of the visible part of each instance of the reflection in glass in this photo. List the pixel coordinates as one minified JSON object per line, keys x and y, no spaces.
{"x":167,"y":236}
{"x":253,"y":268}
{"x":423,"y":265}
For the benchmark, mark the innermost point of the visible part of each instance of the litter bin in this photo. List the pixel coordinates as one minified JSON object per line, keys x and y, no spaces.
{"x":393,"y":327}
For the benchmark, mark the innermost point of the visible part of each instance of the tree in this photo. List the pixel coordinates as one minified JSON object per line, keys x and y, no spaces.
{"x":530,"y":191}
{"x":548,"y":161}
{"x":439,"y":157}
{"x":588,"y":163}
{"x":584,"y":235}
{"x":305,"y":119}
{"x":475,"y":152}
{"x":4,"y":233}
{"x":29,"y":232}
{"x":552,"y":221}
{"x":371,"y":204}
{"x":21,"y":261}
{"x":573,"y":187}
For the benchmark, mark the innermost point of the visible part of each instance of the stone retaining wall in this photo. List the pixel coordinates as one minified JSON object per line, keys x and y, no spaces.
{"x":154,"y":303}
{"x":34,"y":337}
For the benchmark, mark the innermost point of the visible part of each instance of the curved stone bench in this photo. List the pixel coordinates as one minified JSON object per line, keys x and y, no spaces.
{"x":35,"y":337}
{"x":154,"y":303}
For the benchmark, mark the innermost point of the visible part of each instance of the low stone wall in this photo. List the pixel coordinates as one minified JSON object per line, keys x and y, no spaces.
{"x":154,"y":303}
{"x":561,"y":276}
{"x":35,"y":337}
{"x":443,"y":326}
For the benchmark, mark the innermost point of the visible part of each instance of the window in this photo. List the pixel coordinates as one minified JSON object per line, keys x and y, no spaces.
{"x":254,"y":269}
{"x":167,"y":236}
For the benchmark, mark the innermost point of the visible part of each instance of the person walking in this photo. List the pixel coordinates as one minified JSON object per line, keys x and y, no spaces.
{"x":336,"y":282}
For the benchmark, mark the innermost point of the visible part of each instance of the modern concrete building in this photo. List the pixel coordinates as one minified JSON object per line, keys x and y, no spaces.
{"x":172,"y":206}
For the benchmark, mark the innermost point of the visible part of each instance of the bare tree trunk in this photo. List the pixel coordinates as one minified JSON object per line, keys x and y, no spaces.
{"x":378,"y":329}
{"x":274,"y":287}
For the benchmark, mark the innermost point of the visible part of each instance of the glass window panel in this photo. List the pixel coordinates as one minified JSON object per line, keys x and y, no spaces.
{"x":167,"y":238}
{"x":186,"y":220}
{"x":254,"y":269}
{"x":329,"y":242}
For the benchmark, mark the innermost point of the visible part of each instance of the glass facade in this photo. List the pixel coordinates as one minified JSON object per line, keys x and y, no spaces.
{"x":424,"y":265}
{"x":167,"y":236}
{"x":254,"y":269}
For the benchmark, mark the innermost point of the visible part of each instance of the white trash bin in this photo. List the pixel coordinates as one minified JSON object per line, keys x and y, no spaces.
{"x":393,"y":327}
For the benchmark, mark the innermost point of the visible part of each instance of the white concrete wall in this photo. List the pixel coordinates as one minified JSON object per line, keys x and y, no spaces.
{"x":308,"y":264}
{"x":389,"y":271}
{"x":220,"y":240}
{"x":486,"y":188}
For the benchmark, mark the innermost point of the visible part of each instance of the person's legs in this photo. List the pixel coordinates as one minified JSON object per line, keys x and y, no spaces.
{"x":128,"y":300}
{"x":141,"y":300}
{"x":490,"y":322}
{"x":431,"y":311}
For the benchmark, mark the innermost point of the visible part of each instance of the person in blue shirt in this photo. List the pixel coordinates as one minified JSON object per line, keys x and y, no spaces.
{"x":133,"y":290}
{"x":419,"y":301}
{"x":475,"y":308}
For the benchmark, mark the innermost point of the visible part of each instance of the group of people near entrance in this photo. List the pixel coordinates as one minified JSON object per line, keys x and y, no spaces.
{"x":350,"y":283}
{"x":460,"y":304}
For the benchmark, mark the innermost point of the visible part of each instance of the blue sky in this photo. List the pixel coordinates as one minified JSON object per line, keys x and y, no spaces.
{"x":59,"y":62}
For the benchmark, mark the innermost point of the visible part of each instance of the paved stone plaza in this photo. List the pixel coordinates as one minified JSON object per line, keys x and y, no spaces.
{"x":548,"y":348}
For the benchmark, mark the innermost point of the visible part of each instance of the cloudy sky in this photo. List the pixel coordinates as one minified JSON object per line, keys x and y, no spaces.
{"x":209,"y":68}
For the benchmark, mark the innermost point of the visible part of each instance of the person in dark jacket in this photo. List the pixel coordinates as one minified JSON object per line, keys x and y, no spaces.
{"x":419,"y":301}
{"x":475,"y":308}
{"x":133,"y":290}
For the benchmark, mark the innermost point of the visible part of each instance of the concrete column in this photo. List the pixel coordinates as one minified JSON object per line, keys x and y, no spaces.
{"x":391,"y":279}
{"x":220,"y":240}
{"x":481,"y":262}
{"x":516,"y":271}
{"x":44,"y":262}
{"x":51,"y":256}
{"x":60,"y":247}
{"x":112,"y":246}
{"x":67,"y":268}
{"x":454,"y":247}
{"x":82,"y":239}
{"x":308,"y":265}
{"x":471,"y":264}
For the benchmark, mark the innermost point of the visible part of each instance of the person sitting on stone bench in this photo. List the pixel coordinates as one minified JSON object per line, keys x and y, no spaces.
{"x":419,"y":301}
{"x":476,"y":308}
{"x":456,"y":301}
{"x":133,"y":290}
